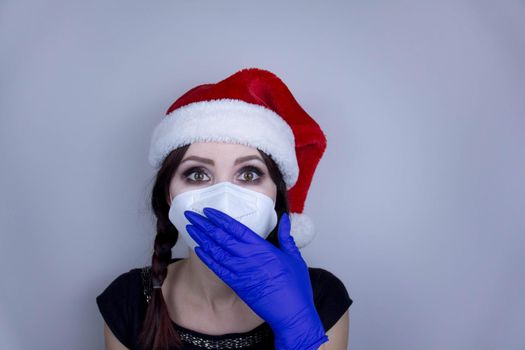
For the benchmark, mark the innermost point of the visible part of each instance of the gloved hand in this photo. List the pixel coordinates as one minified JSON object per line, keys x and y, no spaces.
{"x":274,"y":282}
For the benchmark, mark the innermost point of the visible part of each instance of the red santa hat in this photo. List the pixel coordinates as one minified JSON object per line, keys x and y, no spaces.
{"x":255,"y":108}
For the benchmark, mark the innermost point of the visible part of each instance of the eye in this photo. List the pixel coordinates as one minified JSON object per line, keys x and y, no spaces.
{"x":251,"y":174}
{"x":195,"y":174}
{"x":248,"y":174}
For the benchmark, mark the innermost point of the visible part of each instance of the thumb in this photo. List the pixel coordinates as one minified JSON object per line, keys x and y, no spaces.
{"x":286,"y":241}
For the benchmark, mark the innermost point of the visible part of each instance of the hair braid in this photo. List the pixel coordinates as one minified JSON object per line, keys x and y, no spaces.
{"x":157,"y":331}
{"x":162,"y":335}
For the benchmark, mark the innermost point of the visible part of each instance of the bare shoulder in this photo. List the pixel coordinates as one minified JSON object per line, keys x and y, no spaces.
{"x":110,"y":341}
{"x":338,"y":334}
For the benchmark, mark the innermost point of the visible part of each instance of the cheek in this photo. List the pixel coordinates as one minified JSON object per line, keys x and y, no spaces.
{"x":176,"y":187}
{"x":271,"y":191}
{"x":179,"y":186}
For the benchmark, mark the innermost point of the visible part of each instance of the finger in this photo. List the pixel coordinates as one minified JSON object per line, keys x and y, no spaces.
{"x":219,"y":236}
{"x":223,"y":237}
{"x":286,"y":240}
{"x":199,"y":220}
{"x":198,"y":236}
{"x":222,"y":272}
{"x":233,"y":263}
{"x":236,"y":228}
{"x":206,"y":225}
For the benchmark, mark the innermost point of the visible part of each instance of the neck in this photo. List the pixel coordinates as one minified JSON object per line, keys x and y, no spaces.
{"x":206,"y":287}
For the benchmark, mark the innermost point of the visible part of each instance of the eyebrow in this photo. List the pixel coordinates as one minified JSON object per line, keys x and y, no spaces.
{"x":211,"y":162}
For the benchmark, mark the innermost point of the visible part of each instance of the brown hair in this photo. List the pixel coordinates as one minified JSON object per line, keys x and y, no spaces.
{"x":157,"y":331}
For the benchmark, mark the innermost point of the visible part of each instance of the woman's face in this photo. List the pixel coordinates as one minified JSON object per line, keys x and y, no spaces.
{"x":208,"y":163}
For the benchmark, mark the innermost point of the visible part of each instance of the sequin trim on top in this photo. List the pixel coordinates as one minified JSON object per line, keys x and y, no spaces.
{"x":226,"y":343}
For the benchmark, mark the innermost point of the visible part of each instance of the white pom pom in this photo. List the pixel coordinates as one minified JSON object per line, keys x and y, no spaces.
{"x":302,"y":229}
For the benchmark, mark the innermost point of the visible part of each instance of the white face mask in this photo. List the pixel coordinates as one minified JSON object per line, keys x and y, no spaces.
{"x":253,"y":209}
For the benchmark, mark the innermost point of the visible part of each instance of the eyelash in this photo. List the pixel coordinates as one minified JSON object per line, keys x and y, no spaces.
{"x":251,"y":168}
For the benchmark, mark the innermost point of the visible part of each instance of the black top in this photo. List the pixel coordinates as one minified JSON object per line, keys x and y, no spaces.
{"x":124,"y":301}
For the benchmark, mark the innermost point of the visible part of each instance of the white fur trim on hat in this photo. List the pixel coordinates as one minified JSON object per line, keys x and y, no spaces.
{"x":227,"y":120}
{"x":302,"y":229}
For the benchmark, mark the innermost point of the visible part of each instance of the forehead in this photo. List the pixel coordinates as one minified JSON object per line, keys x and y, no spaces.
{"x":220,"y":150}
{"x":220,"y":147}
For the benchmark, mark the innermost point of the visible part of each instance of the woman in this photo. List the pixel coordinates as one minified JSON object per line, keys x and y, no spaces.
{"x":235,"y":162}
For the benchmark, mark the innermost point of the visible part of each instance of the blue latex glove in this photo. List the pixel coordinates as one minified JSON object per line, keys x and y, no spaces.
{"x":274,"y":282}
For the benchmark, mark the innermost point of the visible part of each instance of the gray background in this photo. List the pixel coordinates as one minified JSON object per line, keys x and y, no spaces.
{"x":419,"y":199}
